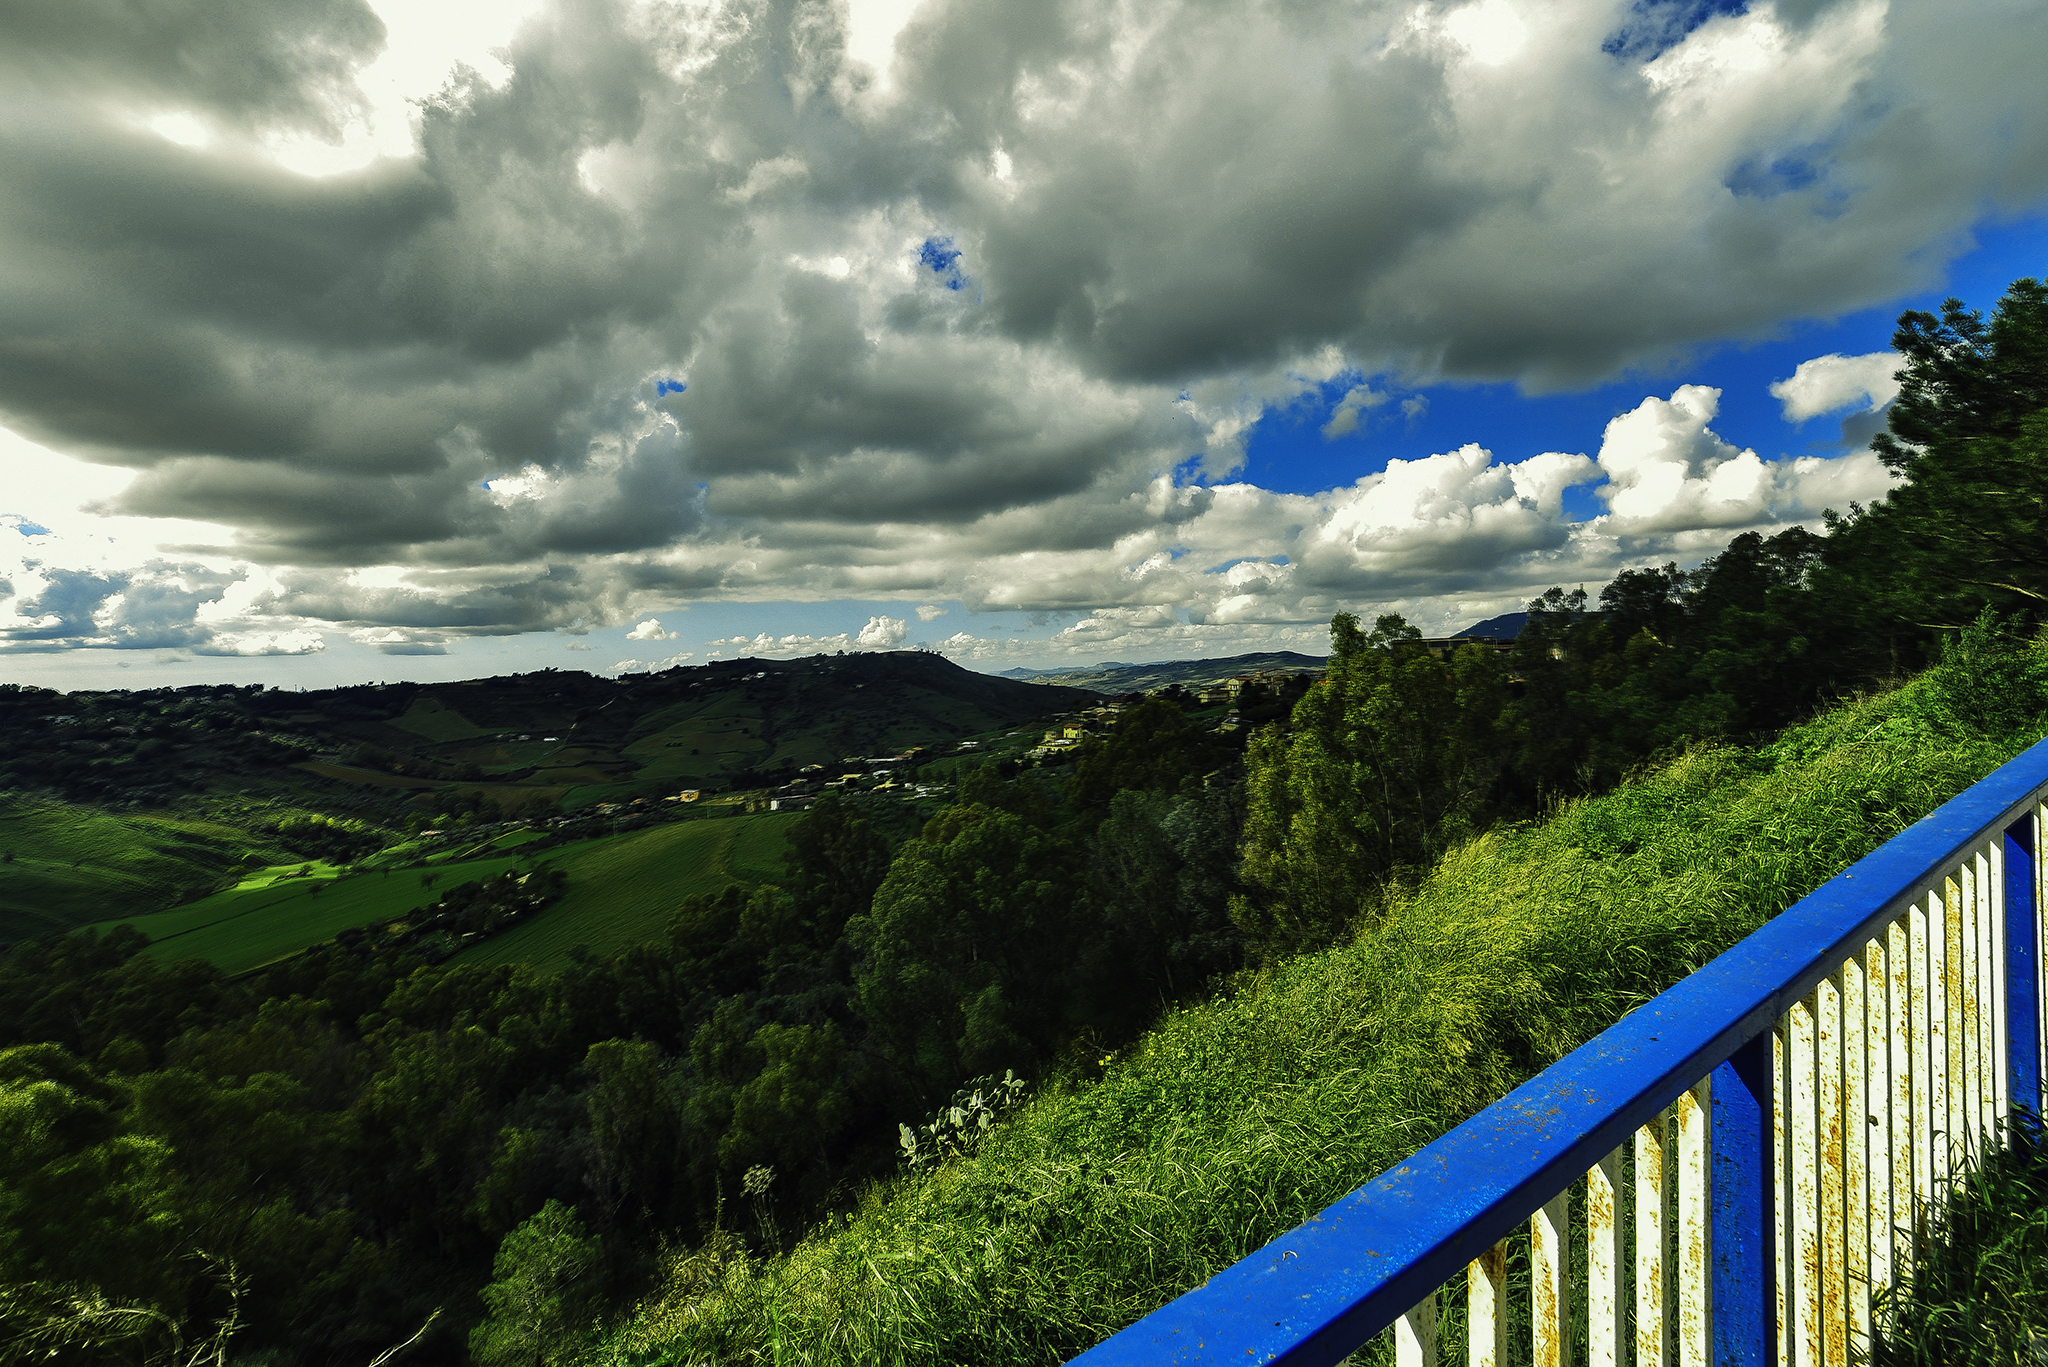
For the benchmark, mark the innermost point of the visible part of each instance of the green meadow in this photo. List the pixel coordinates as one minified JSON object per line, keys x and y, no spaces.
{"x":63,"y":866}
{"x":621,"y":889}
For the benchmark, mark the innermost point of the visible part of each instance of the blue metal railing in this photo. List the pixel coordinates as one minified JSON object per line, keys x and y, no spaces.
{"x":1777,"y":1117}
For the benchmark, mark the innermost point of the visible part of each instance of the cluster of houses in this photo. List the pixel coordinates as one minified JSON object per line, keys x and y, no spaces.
{"x":876,"y":774}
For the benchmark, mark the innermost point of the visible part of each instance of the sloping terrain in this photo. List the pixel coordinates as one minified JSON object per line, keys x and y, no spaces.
{"x":1113,"y":678}
{"x":525,"y":740}
{"x":63,"y":866}
{"x":1133,"y":1176}
{"x":621,"y":889}
{"x":87,"y":780}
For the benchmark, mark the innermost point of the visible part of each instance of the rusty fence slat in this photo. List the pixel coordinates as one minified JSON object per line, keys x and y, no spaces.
{"x":1781,"y":1168}
{"x":1415,"y":1335}
{"x":1925,"y":1050}
{"x":1695,"y":1278}
{"x":1803,"y":1218}
{"x":1899,"y":1134}
{"x":1550,"y":1322}
{"x":1859,"y":1125}
{"x":1604,"y":1320}
{"x":1486,"y":1308}
{"x":1830,"y":1162}
{"x":1652,"y":1340}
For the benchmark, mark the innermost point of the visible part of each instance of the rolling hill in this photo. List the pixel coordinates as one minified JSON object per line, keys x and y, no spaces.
{"x":621,"y":889}
{"x":1114,"y":678}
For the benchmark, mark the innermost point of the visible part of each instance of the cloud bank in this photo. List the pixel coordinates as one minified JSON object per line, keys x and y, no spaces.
{"x":692,"y":302}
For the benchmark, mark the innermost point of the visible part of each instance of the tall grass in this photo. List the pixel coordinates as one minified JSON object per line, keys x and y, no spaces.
{"x":1125,"y":1184}
{"x":1978,"y":1291}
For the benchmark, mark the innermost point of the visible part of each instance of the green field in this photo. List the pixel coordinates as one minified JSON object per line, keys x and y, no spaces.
{"x":621,"y":889}
{"x":262,"y":921}
{"x":71,"y":866}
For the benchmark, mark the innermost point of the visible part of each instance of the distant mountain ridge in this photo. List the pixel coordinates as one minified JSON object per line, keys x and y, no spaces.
{"x":1115,"y":676}
{"x":1505,"y":627}
{"x":561,"y":736}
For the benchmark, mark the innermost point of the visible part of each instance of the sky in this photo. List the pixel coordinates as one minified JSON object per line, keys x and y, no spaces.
{"x":347,"y":341}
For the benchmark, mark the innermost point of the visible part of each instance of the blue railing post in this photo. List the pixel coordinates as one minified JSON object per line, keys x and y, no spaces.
{"x":1743,"y":1241}
{"x":2022,"y":983}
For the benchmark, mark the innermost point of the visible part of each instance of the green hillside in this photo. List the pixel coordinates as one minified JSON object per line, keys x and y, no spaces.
{"x":523,"y":744}
{"x":262,"y":920}
{"x":621,"y":890}
{"x":1131,"y":1178}
{"x":63,"y":866}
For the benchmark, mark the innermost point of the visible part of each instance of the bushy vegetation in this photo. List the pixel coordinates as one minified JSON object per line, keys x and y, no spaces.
{"x":1124,"y":1184}
{"x":1977,"y":1295}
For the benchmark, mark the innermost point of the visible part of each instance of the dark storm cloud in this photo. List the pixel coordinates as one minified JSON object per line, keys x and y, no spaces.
{"x":952,"y":338}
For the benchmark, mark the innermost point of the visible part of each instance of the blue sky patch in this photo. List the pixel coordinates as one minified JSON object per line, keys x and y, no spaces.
{"x":939,"y":256}
{"x":1781,"y":176}
{"x":1287,"y":452}
{"x":665,"y":386}
{"x":1654,"y":26}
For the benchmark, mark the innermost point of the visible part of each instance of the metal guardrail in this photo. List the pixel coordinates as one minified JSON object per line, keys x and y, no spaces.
{"x":1750,"y":1151}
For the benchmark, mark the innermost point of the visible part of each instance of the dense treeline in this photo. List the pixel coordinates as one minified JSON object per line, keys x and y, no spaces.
{"x":356,"y":1138}
{"x":1400,"y":755}
{"x":355,"y":1131}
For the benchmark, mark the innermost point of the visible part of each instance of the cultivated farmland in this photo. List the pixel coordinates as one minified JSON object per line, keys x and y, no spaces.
{"x":622,"y":888}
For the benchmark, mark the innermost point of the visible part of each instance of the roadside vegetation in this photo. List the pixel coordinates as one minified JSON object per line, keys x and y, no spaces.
{"x":1121,"y":1185}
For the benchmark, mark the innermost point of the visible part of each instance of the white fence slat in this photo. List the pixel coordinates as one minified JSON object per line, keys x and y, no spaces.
{"x":2001,"y":1056}
{"x":2040,"y":947}
{"x":1695,"y":1324}
{"x":1415,"y":1335}
{"x":1486,"y":1308}
{"x":1603,"y":1263}
{"x":1651,"y":1347}
{"x":1549,"y":1261}
{"x":1963,"y":1012}
{"x":1985,"y":970}
{"x":1941,"y":1043}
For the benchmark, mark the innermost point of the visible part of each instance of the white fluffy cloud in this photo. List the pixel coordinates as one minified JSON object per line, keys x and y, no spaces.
{"x":1829,"y":384}
{"x":881,"y":633}
{"x":650,"y":630}
{"x":1668,"y":472}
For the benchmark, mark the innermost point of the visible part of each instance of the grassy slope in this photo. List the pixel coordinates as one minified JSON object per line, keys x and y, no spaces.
{"x":261,"y":921}
{"x":72,"y":864}
{"x":1236,"y":1119}
{"x":623,"y":888}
